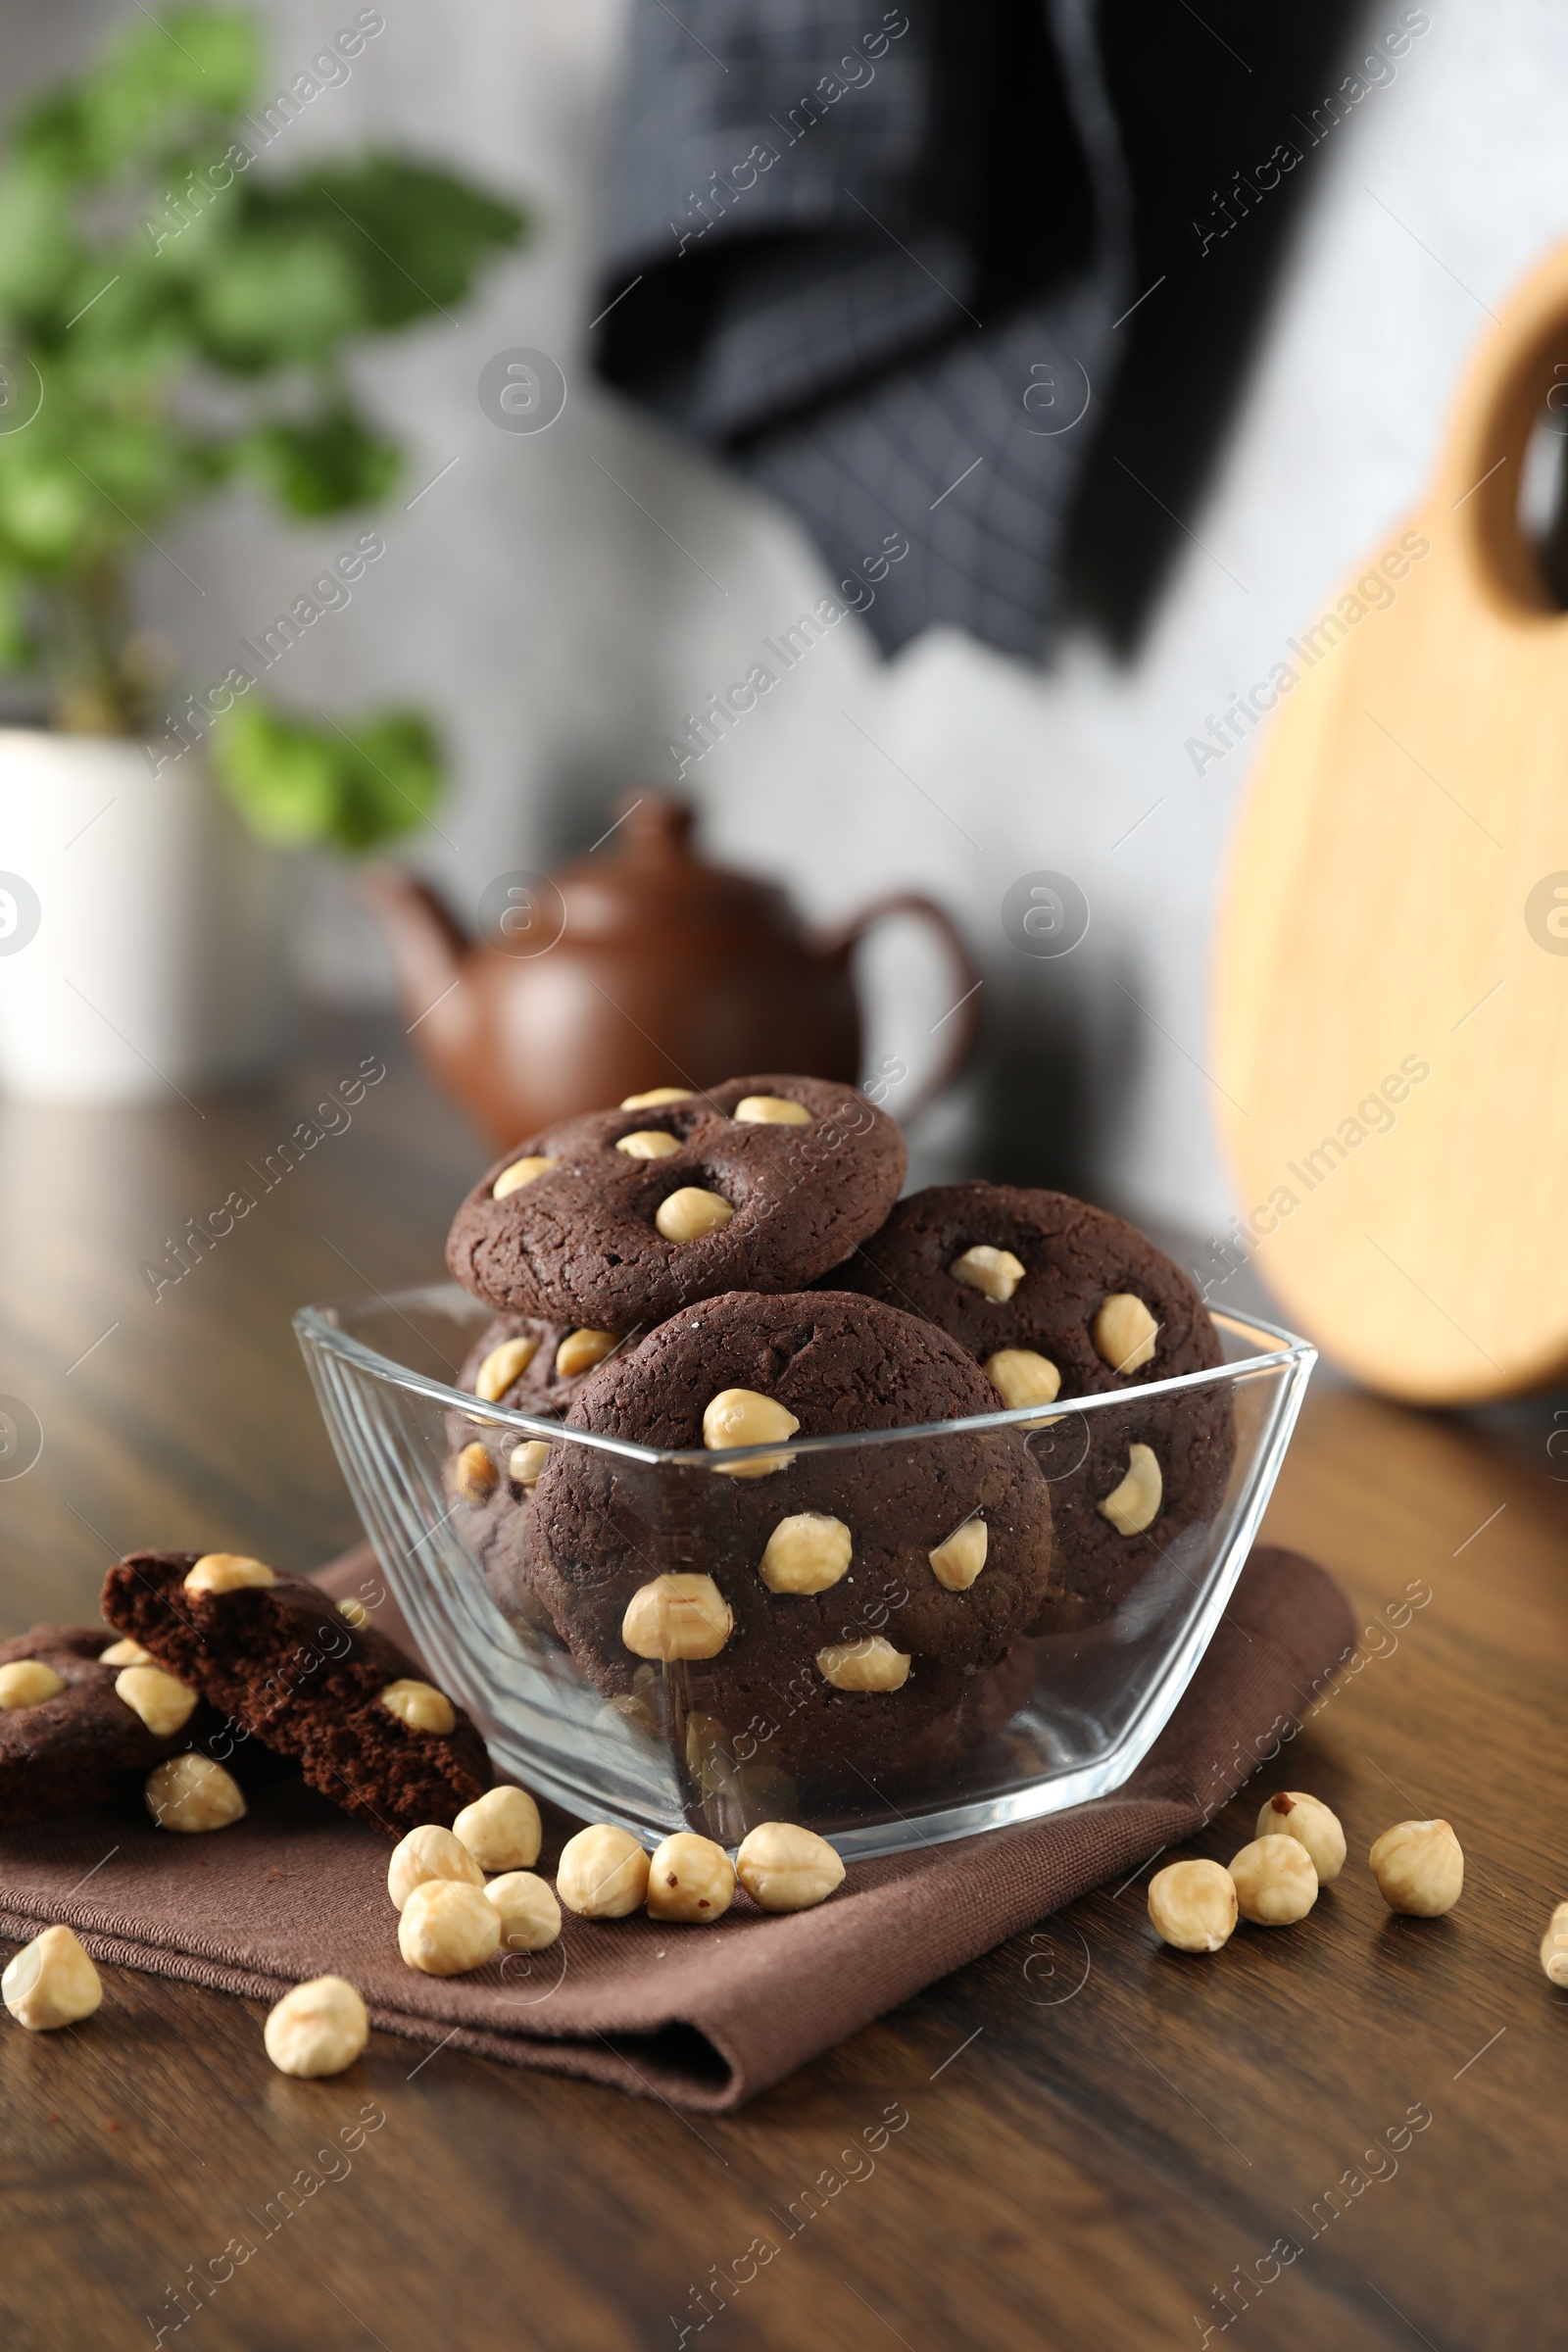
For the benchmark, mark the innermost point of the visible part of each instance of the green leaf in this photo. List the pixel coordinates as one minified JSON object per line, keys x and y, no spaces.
{"x":331,"y":462}
{"x":416,"y":238}
{"x":279,"y":298}
{"x":345,"y":787}
{"x":154,"y":84}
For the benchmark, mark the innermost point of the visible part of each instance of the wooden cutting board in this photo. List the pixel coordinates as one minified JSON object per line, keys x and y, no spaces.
{"x":1391,"y":1016}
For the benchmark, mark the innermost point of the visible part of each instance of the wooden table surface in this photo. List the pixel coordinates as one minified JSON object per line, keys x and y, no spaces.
{"x":1106,"y":2145}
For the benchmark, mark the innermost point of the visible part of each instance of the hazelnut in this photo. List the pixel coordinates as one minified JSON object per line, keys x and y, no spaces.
{"x":1123,"y":1332}
{"x":421,"y":1705}
{"x":959,"y":1557}
{"x":677,"y":1617}
{"x":603,"y":1872}
{"x":1554,"y":1947}
{"x":690,"y":1878}
{"x":1275,"y":1882}
{"x":805,"y":1553}
{"x":51,"y":1981}
{"x":125,"y":1653}
{"x":1021,"y":1377}
{"x":520,"y":1172}
{"x":995,"y":1273}
{"x":530,"y":1916}
{"x":28,"y":1682}
{"x":228,"y":1571}
{"x":581,"y":1350}
{"x":1135,"y":1504}
{"x":656,"y":1094}
{"x":745,"y":1418}
{"x":870,"y":1665}
{"x":501,"y":1829}
{"x":1419,"y":1868}
{"x":162,"y":1702}
{"x":502,"y":1366}
{"x":191,"y":1793}
{"x":525,"y":1462}
{"x":476,"y":1474}
{"x":317,"y":2029}
{"x":770,"y":1111}
{"x":425,"y":1853}
{"x":649,"y":1142}
{"x":783,"y":1868}
{"x":356,"y":1613}
{"x":1192,"y":1905}
{"x":448,"y":1928}
{"x":690,"y":1212}
{"x":1294,"y":1814}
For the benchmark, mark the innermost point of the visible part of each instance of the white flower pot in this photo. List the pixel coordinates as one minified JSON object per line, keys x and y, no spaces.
{"x":139,"y":926}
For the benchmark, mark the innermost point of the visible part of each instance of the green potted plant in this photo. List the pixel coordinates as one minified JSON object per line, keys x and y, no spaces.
{"x":177,"y":306}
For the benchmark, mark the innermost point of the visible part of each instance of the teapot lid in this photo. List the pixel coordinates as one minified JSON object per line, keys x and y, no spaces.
{"x":645,"y":876}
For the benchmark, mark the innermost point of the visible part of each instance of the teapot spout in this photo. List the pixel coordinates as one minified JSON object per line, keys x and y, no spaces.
{"x":429,"y":952}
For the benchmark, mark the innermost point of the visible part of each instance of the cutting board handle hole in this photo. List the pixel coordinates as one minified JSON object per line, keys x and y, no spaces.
{"x":1542,"y":497}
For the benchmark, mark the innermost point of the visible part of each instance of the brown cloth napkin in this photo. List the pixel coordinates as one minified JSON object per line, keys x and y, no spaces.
{"x":703,"y":2018}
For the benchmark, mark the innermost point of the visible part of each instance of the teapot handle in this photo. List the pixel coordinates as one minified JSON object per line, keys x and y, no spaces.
{"x":962,"y":1020}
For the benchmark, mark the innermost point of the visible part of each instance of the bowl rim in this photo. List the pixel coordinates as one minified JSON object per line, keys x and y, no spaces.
{"x":317,"y":1325}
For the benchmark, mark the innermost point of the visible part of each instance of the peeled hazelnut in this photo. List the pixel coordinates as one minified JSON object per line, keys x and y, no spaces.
{"x":1123,"y":1332}
{"x":51,"y":1981}
{"x":1294,"y":1814}
{"x":520,"y":1172}
{"x":125,"y":1653}
{"x":1192,"y":1905}
{"x":745,"y":1417}
{"x":530,"y":1916}
{"x":162,"y":1702}
{"x":783,"y":1868}
{"x":959,"y":1557}
{"x":228,"y":1571}
{"x":656,"y":1094}
{"x":501,"y":1829}
{"x":770,"y":1111}
{"x":1021,"y":1377}
{"x":870,"y":1665}
{"x":476,"y":1474}
{"x":525,"y":1462}
{"x":502,"y":1366}
{"x":448,"y":1928}
{"x":429,"y":1852}
{"x":603,"y":1872}
{"x":1135,"y":1504}
{"x":581,"y":1350}
{"x":421,"y":1705}
{"x":28,"y":1682}
{"x":317,"y":2029}
{"x":1419,"y":1868}
{"x":996,"y":1273}
{"x":805,"y":1553}
{"x":690,"y":1878}
{"x":649,"y":1142}
{"x":191,"y":1793}
{"x":1275,"y":1882}
{"x":1554,"y":1947}
{"x":677,"y":1617}
{"x":356,"y":1613}
{"x":690,"y":1212}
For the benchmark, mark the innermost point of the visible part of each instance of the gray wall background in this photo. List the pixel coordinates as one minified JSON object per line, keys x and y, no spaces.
{"x":557,"y":601}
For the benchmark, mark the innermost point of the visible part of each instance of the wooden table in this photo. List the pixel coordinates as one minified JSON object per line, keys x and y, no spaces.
{"x":1103,"y":2138}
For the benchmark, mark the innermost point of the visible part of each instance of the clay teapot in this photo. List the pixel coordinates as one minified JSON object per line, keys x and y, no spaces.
{"x":638,"y":966}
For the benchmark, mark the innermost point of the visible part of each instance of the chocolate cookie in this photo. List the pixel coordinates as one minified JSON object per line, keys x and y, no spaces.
{"x":68,"y":1738}
{"x":1053,"y":1297}
{"x":796,"y":1606}
{"x":286,"y":1664}
{"x":619,"y":1218}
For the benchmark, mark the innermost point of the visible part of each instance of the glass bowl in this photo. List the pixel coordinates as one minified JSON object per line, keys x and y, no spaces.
{"x":1067,"y":1716}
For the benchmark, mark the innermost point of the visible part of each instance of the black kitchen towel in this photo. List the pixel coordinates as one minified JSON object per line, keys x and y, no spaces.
{"x":874,"y":255}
